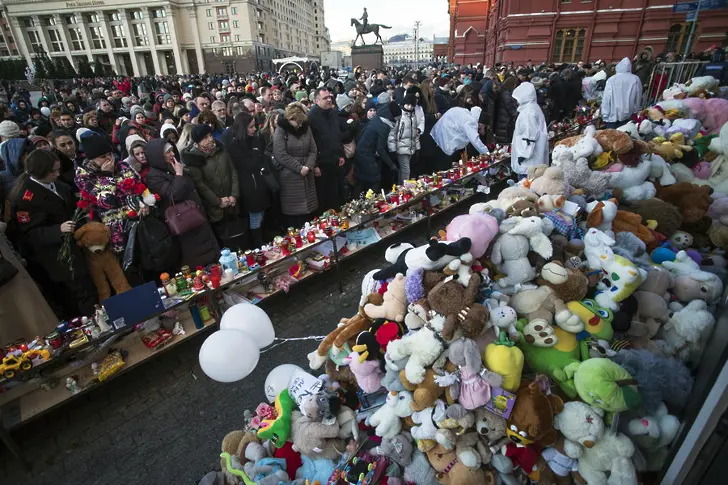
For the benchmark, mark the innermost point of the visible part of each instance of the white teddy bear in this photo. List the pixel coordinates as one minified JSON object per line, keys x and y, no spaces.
{"x":422,"y":347}
{"x":387,"y":418}
{"x":587,"y":146}
{"x":633,"y":182}
{"x":653,"y":435}
{"x":581,"y":424}
{"x":597,"y":248}
{"x":519,"y":235}
{"x":685,"y":334}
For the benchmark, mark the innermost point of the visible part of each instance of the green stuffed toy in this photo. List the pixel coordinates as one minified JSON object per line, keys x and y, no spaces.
{"x":277,"y":430}
{"x":604,"y":384}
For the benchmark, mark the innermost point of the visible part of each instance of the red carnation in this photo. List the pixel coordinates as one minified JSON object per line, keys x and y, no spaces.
{"x":132,"y":214}
{"x":157,"y":197}
{"x":82,"y":204}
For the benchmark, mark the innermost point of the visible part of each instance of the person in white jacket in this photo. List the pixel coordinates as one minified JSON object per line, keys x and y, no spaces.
{"x":457,"y":128}
{"x":622,"y":95}
{"x":530,"y":145}
{"x":404,"y":138}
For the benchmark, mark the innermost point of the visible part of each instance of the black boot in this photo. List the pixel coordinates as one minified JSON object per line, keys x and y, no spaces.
{"x":256,"y":235}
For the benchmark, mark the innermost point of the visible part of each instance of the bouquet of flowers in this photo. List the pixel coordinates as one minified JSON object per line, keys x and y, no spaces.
{"x":136,"y":194}
{"x":84,"y":209}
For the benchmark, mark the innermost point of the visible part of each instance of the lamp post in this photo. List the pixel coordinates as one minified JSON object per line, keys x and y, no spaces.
{"x":692,"y":30}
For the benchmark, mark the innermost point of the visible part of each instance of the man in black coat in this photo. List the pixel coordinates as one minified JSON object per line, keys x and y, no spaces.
{"x":324,"y":122}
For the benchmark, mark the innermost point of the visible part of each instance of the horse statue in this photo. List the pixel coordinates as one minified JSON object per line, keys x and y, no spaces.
{"x":367,"y":29}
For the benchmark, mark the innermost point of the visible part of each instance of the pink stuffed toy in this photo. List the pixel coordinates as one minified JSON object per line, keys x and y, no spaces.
{"x":701,"y":170}
{"x":368,"y":373}
{"x":481,"y":228}
{"x":712,"y":113}
{"x":616,"y":167}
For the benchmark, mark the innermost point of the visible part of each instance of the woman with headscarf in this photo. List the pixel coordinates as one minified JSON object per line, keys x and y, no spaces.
{"x":168,"y":178}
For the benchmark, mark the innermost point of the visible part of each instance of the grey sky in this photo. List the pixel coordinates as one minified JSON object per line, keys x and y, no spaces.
{"x":399,"y":14}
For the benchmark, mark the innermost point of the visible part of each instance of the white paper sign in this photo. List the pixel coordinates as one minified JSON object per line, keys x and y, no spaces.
{"x":303,"y":385}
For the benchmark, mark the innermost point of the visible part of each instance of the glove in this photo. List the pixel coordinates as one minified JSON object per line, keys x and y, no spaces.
{"x":520,"y":160}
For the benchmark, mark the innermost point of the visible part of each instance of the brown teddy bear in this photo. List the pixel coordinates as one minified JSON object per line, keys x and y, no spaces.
{"x":692,"y":200}
{"x":425,"y":393}
{"x":523,"y":208}
{"x":615,"y":141}
{"x":102,"y":263}
{"x":457,"y":304}
{"x":394,"y":302}
{"x":552,"y":182}
{"x":666,"y":215}
{"x":631,"y":222}
{"x":451,"y":471}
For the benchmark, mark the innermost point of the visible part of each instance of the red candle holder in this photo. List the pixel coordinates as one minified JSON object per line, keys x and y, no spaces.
{"x":311,"y":237}
{"x":249,"y":258}
{"x":299,"y":240}
{"x":260,"y":258}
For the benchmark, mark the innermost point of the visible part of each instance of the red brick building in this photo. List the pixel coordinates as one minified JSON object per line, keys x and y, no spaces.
{"x":490,"y":31}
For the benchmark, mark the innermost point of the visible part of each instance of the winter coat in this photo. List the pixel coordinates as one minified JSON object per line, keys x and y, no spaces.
{"x":68,"y":169}
{"x":10,"y":152}
{"x":573,"y":95}
{"x":530,"y":144}
{"x":248,"y":159}
{"x":490,"y":97}
{"x":214,"y":176}
{"x":292,"y":149}
{"x":199,"y":247}
{"x":457,"y":128}
{"x":113,"y":205}
{"x":505,"y":119}
{"x":622,"y":95}
{"x":372,"y":150}
{"x":327,"y":134}
{"x":106,"y":121}
{"x":403,"y":138}
{"x":443,"y":100}
{"x":40,"y":213}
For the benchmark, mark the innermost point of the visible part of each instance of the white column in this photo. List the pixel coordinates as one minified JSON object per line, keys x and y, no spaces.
{"x":130,"y":42}
{"x":152,"y":35}
{"x":196,"y":36}
{"x":64,"y":37}
{"x":20,"y":41}
{"x":109,"y":44}
{"x":86,"y":38}
{"x":173,"y":37}
{"x":43,"y":35}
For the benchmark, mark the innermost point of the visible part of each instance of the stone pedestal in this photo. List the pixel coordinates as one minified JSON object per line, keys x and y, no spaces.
{"x":367,"y":56}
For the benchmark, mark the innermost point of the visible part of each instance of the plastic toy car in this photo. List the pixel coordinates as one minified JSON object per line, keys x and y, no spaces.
{"x":12,"y":363}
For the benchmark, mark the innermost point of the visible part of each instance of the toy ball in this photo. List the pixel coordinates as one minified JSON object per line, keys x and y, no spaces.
{"x":660,"y":255}
{"x":481,"y":228}
{"x":251,"y":320}
{"x":228,"y":356}
{"x":278,"y":379}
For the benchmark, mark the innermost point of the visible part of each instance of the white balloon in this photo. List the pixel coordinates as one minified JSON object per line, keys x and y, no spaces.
{"x":252,"y":320}
{"x":228,"y":355}
{"x":278,"y":378}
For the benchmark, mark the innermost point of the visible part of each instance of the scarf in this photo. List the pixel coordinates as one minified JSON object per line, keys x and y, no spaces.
{"x":206,"y":151}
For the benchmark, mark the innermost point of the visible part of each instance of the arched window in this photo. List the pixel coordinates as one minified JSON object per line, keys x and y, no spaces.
{"x":677,"y":37}
{"x":568,"y":45}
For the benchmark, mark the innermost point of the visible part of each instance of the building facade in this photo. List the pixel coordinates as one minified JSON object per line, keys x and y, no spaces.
{"x":490,"y":31}
{"x":147,"y":37}
{"x":403,"y":49}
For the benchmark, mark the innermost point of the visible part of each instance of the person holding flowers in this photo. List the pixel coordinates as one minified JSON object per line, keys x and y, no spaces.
{"x":115,"y":185}
{"x":47,"y":215}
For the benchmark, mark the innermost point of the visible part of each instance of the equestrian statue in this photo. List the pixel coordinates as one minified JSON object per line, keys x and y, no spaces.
{"x":366,"y":28}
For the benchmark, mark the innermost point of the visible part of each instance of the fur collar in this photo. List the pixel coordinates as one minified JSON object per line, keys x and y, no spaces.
{"x":292,"y":130}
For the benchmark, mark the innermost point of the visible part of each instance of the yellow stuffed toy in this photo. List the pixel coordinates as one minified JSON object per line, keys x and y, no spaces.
{"x":671,"y":149}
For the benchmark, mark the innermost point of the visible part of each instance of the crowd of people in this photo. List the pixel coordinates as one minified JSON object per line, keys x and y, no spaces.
{"x":244,"y":157}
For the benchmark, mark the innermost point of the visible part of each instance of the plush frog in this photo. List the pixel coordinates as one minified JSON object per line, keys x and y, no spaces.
{"x":597,"y":320}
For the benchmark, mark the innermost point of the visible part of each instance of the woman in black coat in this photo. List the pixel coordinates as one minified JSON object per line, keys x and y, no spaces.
{"x":247,"y":154}
{"x":507,"y":111}
{"x":168,"y":179}
{"x":44,"y":207}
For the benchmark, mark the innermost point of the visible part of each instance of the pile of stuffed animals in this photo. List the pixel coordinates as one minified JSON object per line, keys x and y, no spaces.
{"x":503,"y":350}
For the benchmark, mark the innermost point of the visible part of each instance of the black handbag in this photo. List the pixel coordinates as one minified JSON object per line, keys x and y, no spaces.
{"x":7,"y":270}
{"x":266,"y":173}
{"x":232,"y":230}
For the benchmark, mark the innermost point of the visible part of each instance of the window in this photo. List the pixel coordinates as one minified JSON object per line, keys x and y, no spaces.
{"x":114,"y":17}
{"x":208,"y":12}
{"x":48,"y":21}
{"x":92,"y":18}
{"x":140,"y":34}
{"x":239,"y":50}
{"x":162,"y":31}
{"x":237,"y":38}
{"x":233,"y":10}
{"x":212,"y":39}
{"x":117,"y":32}
{"x":28,"y":22}
{"x":677,"y":37}
{"x":258,"y":13}
{"x":223,"y":25}
{"x":568,"y":45}
{"x":137,"y":15}
{"x":56,"y":42}
{"x":159,"y":13}
{"x":76,"y":39}
{"x":261,"y":38}
{"x":224,"y":38}
{"x":260,"y":25}
{"x":236,"y":24}
{"x":222,"y":11}
{"x":210,"y":25}
{"x":34,"y":39}
{"x":97,"y":38}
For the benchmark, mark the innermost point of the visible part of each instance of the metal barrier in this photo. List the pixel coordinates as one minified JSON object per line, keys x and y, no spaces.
{"x":667,"y":74}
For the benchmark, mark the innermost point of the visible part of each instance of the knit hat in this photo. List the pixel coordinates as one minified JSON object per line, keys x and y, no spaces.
{"x":45,"y":111}
{"x":81,"y":132}
{"x":410,"y":99}
{"x":384,"y":98}
{"x":133,"y":141}
{"x":148,"y":110}
{"x":165,"y":128}
{"x":342,"y":101}
{"x":442,"y":82}
{"x":135,"y":110}
{"x":537,"y":82}
{"x":168,"y":96}
{"x":95,"y":146}
{"x":9,"y":129}
{"x":200,"y":132}
{"x":219,"y":95}
{"x":300,"y":95}
{"x":187,"y":96}
{"x":37,"y":139}
{"x":371,"y":104}
{"x":125,"y":101}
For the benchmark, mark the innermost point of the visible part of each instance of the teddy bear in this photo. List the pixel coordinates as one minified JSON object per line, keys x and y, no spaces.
{"x":652,"y":434}
{"x":685,"y":334}
{"x":421,"y":348}
{"x":690,"y":282}
{"x":394,"y":302}
{"x":652,"y":307}
{"x":415,"y":466}
{"x":450,"y":469}
{"x":313,"y":438}
{"x":234,"y":444}
{"x":425,"y":393}
{"x":524,"y":208}
{"x":581,"y":425}
{"x":615,"y":141}
{"x":345,"y":332}
{"x":597,"y":248}
{"x":693,"y":201}
{"x":510,"y":251}
{"x":425,"y":419}
{"x":552,"y":182}
{"x":386,"y":419}
{"x":633,"y":182}
{"x":457,"y":305}
{"x":666,"y":215}
{"x":630,"y":222}
{"x":547,"y":302}
{"x":535,"y":171}
{"x":550,"y":203}
{"x":587,"y":146}
{"x":578,"y":174}
{"x":506,"y":198}
{"x":504,"y":318}
{"x":262,"y":467}
{"x":102,"y":263}
{"x":492,"y":431}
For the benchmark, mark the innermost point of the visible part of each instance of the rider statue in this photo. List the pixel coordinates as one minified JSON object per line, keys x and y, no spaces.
{"x":367,"y":28}
{"x":365,"y":18}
